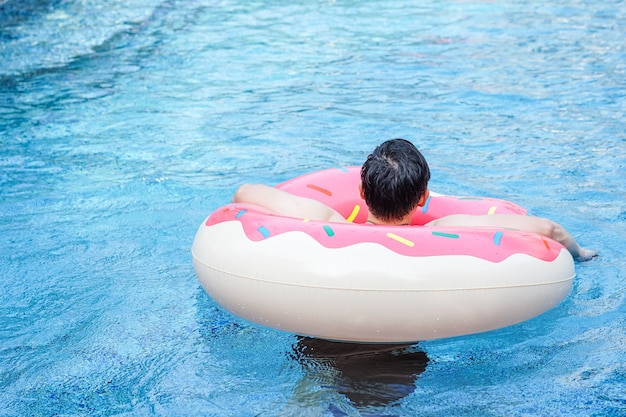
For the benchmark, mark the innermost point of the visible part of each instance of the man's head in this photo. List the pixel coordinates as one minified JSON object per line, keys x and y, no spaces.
{"x":394,"y":180}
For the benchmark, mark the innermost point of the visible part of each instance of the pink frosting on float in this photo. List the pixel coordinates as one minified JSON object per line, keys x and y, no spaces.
{"x":338,"y":188}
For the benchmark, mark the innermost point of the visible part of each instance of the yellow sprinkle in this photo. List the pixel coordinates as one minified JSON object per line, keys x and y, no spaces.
{"x":306,"y":220}
{"x":355,"y":212}
{"x":400,"y":239}
{"x":492,"y":210}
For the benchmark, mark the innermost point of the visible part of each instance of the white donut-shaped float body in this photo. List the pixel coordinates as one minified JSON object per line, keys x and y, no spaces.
{"x":377,"y":284}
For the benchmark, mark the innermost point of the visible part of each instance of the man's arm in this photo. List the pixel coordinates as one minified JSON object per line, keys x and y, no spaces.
{"x":285,"y":204}
{"x":533,"y":224}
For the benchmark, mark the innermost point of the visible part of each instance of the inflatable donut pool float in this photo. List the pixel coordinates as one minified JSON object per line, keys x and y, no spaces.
{"x":377,"y":284}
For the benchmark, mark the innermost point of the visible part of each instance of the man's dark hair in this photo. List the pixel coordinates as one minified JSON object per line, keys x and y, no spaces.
{"x":394,"y":177}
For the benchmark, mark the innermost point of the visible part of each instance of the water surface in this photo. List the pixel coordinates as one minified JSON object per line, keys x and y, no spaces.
{"x":124,"y":123}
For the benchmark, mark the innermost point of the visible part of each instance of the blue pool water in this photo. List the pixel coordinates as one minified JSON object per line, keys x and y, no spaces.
{"x":124,"y":123}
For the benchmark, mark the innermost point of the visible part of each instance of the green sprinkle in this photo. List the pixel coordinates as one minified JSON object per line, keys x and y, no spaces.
{"x":329,"y":231}
{"x":450,"y":235}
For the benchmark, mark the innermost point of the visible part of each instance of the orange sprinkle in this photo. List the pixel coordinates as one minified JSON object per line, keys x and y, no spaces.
{"x":320,"y":189}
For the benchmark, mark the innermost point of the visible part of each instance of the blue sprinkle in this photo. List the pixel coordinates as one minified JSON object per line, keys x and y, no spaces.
{"x":497,"y":238}
{"x":263,"y":230}
{"x":425,"y":208}
{"x":241,"y":213}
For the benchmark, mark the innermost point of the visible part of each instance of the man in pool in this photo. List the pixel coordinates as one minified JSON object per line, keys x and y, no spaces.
{"x":394,"y":183}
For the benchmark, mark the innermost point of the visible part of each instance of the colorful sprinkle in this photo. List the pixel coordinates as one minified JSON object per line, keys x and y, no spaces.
{"x":263,"y":230}
{"x":425,"y":208}
{"x":450,"y":235}
{"x":329,"y":231}
{"x":492,"y":210}
{"x":400,"y":239}
{"x":320,"y":189}
{"x":545,"y":242}
{"x":355,"y":212}
{"x":497,"y":238}
{"x":240,"y":213}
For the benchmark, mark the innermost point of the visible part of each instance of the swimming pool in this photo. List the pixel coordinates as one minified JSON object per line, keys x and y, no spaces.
{"x":124,"y":123}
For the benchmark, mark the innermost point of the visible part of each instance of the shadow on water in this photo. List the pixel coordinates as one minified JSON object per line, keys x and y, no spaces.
{"x":369,"y":375}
